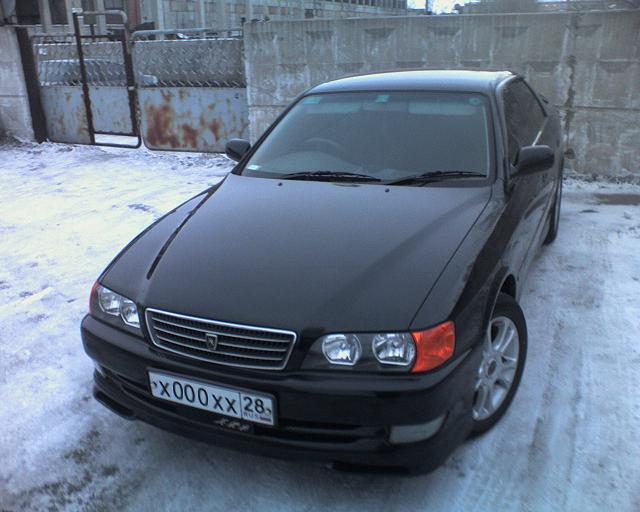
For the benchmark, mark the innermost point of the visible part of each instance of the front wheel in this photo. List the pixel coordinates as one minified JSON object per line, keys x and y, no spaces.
{"x":503,"y":355}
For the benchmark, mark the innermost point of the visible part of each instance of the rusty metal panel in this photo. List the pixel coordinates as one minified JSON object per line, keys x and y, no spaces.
{"x":110,"y":108}
{"x":65,"y":114}
{"x":192,"y":118}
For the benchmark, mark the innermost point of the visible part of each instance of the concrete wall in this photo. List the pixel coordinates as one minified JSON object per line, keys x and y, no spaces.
{"x":502,"y":6}
{"x":588,"y":64}
{"x":15,"y":117}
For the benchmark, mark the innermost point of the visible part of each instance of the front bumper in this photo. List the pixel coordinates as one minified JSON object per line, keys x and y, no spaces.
{"x":322,"y":416}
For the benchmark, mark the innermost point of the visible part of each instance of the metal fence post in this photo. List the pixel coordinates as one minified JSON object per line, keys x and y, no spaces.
{"x":83,"y":76}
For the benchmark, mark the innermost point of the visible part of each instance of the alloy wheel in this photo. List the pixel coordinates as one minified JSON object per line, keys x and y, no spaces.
{"x":501,"y":349}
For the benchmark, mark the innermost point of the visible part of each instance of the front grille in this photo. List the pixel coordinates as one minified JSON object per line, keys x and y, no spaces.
{"x":220,"y":342}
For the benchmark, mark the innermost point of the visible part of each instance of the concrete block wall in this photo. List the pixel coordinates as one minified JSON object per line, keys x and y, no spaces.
{"x":15,"y":117}
{"x":588,"y":64}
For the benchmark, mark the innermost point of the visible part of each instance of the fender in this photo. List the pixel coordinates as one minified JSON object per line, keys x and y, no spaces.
{"x":497,"y":285}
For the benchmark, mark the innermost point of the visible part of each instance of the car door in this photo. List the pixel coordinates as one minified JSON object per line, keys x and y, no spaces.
{"x":525,"y":121}
{"x":541,"y":124}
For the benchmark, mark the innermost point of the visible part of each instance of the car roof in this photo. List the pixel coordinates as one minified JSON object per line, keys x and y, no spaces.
{"x":418,"y":80}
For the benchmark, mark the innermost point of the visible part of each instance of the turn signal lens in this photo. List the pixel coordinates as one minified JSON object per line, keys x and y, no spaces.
{"x":434,"y":346}
{"x":93,"y":298}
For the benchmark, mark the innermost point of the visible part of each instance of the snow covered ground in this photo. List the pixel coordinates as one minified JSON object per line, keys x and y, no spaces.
{"x":571,"y":440}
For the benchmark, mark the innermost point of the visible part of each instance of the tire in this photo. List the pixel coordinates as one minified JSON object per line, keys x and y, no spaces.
{"x":503,"y":359}
{"x":554,"y":215}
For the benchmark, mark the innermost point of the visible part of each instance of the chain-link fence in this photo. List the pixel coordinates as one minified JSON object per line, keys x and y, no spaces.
{"x":213,"y":61}
{"x":58,"y":64}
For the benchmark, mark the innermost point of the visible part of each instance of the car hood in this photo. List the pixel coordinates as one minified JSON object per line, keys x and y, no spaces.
{"x":300,"y":254}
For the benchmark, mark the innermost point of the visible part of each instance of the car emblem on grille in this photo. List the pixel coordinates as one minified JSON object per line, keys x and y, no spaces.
{"x":212,"y":341}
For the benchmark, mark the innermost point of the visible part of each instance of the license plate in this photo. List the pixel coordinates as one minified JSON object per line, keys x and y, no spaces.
{"x":235,"y":403}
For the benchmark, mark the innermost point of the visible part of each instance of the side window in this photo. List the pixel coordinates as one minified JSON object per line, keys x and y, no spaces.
{"x":524,"y":117}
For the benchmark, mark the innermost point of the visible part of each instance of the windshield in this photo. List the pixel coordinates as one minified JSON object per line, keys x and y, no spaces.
{"x":384,"y":135}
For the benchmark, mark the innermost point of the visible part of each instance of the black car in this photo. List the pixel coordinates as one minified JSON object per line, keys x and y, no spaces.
{"x":348,"y":293}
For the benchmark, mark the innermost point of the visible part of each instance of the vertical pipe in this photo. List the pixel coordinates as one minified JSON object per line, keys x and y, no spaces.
{"x":83,"y":76}
{"x":202,"y":22}
{"x":101,"y":21}
{"x":220,"y":21}
{"x":131,"y":85}
{"x":68,"y":7}
{"x":132,"y":9}
{"x":45,"y":15}
{"x":157,"y":13}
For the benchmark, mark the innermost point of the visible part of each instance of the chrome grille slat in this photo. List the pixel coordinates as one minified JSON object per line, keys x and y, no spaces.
{"x":241,"y":356}
{"x":195,"y":347}
{"x":236,"y":345}
{"x":195,"y":338}
{"x":221,"y":333}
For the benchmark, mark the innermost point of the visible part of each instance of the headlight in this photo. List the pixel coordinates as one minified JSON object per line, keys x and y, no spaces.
{"x":342,"y":349}
{"x":114,"y":308}
{"x":108,"y":301}
{"x":394,"y":348}
{"x":403,"y":352}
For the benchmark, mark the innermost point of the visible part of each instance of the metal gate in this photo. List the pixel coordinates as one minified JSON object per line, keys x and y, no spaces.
{"x":87,"y":86}
{"x":197,"y":99}
{"x":175,"y":90}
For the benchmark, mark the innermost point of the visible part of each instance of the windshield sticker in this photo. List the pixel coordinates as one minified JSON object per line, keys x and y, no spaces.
{"x":253,"y":167}
{"x":311,"y":100}
{"x":382,"y":98}
{"x":475,"y":101}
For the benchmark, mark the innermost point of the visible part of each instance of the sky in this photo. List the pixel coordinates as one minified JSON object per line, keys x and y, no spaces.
{"x":438,"y":5}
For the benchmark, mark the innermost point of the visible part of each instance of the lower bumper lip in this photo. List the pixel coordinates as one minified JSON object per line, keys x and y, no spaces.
{"x":367,"y":419}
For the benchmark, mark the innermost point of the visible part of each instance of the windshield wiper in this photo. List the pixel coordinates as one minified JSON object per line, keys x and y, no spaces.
{"x":430,"y":176}
{"x":330,"y":176}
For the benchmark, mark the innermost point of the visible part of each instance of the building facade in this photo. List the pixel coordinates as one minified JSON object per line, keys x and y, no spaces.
{"x":182,"y":14}
{"x":232,"y":13}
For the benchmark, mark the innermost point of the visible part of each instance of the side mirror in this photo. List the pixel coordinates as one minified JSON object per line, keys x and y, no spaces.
{"x":237,"y":148}
{"x":533,"y":159}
